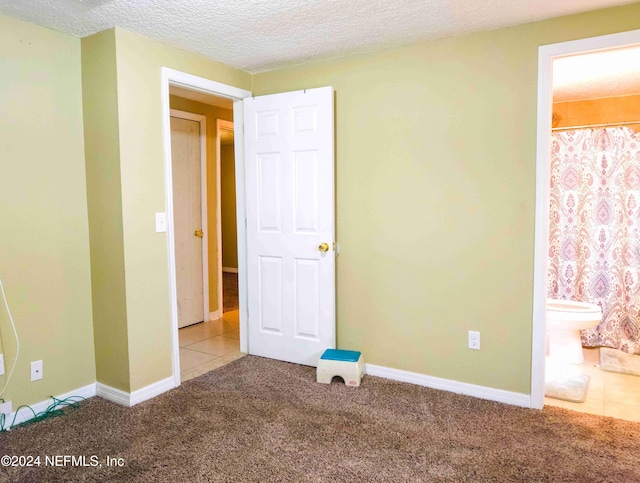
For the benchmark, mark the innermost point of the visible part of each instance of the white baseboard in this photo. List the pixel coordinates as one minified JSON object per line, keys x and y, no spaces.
{"x":507,"y":397}
{"x":136,"y":397}
{"x":25,"y":414}
{"x":90,"y":390}
{"x":112,"y":394}
{"x":230,"y":269}
{"x":152,"y":390}
{"x":214,"y":315}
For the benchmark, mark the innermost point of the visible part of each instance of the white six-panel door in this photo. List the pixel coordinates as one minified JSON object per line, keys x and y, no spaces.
{"x":289,"y":156}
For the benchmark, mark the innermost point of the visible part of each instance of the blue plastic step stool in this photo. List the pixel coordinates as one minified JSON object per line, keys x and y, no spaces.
{"x":349,"y":365}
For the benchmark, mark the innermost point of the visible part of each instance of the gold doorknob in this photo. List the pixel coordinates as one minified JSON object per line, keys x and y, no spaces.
{"x":199,"y":233}
{"x":323,"y":247}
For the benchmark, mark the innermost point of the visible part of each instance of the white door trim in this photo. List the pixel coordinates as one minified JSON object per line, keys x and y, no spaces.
{"x":546,"y":54}
{"x":220,"y":124}
{"x":202,"y":120}
{"x":182,"y":79}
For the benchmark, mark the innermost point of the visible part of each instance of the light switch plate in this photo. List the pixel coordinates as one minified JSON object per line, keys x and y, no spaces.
{"x":161,"y":222}
{"x":1,"y":364}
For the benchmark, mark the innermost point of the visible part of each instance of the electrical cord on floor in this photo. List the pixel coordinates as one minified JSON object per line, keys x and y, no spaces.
{"x":54,"y":409}
{"x":15,"y":333}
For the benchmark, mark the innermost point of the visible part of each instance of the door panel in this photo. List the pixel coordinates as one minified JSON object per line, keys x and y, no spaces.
{"x":270,"y":295}
{"x":290,"y":212}
{"x":269,"y":192}
{"x":307,"y":289}
{"x":305,"y":167}
{"x":187,"y":216}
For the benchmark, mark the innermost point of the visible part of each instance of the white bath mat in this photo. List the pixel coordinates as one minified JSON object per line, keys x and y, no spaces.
{"x":567,"y":387}
{"x":613,"y":360}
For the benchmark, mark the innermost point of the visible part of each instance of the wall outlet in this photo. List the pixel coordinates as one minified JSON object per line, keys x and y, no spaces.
{"x":36,"y":370}
{"x":1,"y":364}
{"x":6,"y":407}
{"x":474,"y":339}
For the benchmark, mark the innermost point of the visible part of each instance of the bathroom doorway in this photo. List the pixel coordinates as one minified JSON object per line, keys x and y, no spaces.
{"x":601,"y":99}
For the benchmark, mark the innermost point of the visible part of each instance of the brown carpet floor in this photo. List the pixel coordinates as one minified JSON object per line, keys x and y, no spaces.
{"x":267,"y":421}
{"x":229,"y":291}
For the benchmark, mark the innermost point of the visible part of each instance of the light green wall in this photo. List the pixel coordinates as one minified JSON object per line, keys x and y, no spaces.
{"x":435,"y":200}
{"x":102,"y":158}
{"x":138,"y":62}
{"x":212,"y":113}
{"x":228,"y":192}
{"x":435,"y":188}
{"x":44,"y":245}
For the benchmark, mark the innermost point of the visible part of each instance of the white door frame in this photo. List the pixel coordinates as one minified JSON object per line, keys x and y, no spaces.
{"x":182,"y":79}
{"x":546,"y":54}
{"x":220,"y":124}
{"x":202,"y":121}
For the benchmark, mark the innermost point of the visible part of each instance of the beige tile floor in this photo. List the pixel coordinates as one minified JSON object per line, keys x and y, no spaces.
{"x":209,"y":345}
{"x":608,"y":393}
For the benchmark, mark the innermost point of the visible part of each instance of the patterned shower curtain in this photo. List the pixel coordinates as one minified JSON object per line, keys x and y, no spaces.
{"x":594,"y":235}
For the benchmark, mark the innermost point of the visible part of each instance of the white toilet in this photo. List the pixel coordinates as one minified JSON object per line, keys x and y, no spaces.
{"x":565,"y":320}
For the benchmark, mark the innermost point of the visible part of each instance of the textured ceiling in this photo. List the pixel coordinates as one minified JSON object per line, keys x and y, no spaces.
{"x":259,"y":35}
{"x":600,"y":74}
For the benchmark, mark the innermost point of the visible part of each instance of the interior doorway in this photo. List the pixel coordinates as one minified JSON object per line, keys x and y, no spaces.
{"x":578,"y":117}
{"x":285,"y":220}
{"x":212,"y":340}
{"x":217,"y":337}
{"x":204,"y":197}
